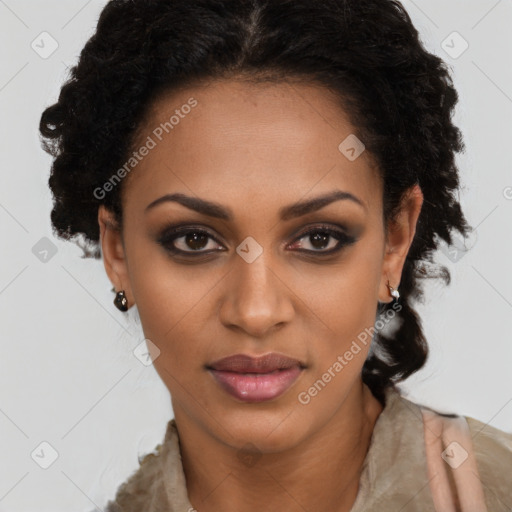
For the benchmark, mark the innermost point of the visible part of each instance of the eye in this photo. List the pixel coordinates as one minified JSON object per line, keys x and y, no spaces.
{"x":188,"y":240}
{"x":324,"y":240}
{"x":194,"y":241}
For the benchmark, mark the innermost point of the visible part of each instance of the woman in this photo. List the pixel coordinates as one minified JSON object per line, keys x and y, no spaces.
{"x":268,"y":182}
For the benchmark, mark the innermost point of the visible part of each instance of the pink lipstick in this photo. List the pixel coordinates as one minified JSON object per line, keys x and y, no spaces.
{"x":256,"y":379}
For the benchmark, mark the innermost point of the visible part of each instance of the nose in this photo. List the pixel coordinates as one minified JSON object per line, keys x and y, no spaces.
{"x":257,"y":299}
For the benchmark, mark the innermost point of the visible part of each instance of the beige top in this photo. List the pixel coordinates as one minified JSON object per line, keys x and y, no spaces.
{"x":394,"y":474}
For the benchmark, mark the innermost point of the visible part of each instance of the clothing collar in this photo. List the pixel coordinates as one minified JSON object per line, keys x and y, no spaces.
{"x":394,"y":471}
{"x":393,"y":466}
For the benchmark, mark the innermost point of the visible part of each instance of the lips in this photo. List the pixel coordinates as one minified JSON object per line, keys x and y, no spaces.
{"x":242,"y":363}
{"x":256,"y":379}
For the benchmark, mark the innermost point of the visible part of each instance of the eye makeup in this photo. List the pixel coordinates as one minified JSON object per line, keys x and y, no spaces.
{"x":192,"y":241}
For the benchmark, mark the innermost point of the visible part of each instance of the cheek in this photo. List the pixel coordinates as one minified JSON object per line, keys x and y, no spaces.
{"x":346,"y":295}
{"x":171,"y":306}
{"x":169,"y":297}
{"x":347,"y":304}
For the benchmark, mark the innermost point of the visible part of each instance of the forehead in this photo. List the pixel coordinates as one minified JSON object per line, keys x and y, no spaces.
{"x":240,"y":140}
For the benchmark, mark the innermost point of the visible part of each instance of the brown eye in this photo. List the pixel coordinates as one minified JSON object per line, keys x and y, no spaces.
{"x":322,"y":240}
{"x":189,"y":241}
{"x":195,"y":240}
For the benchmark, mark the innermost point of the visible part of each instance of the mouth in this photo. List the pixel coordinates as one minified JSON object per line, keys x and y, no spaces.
{"x":256,"y":379}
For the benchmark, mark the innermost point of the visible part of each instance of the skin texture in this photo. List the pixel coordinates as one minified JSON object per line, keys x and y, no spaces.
{"x":255,"y":149}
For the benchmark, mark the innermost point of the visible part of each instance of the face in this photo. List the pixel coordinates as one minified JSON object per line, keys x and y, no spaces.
{"x":248,"y":261}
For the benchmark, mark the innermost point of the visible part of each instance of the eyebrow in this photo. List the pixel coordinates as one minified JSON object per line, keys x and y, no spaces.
{"x":216,"y":210}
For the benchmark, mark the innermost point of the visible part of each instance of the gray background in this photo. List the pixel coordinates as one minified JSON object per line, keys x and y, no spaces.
{"x":68,"y":375}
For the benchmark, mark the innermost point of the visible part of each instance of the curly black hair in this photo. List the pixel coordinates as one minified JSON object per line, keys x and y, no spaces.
{"x":399,"y":97}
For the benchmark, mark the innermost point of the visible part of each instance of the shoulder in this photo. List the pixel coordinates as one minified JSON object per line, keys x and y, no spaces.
{"x":493,"y":453}
{"x":133,"y":494}
{"x":146,"y":489}
{"x":492,"y":447}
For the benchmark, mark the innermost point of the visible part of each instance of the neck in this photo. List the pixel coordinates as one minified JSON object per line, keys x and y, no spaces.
{"x":326,"y":466}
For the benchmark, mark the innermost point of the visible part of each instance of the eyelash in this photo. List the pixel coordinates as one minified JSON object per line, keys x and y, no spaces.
{"x":173,"y":233}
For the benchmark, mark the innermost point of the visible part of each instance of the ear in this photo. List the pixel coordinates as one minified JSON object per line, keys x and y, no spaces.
{"x":399,"y":238}
{"x":113,"y":251}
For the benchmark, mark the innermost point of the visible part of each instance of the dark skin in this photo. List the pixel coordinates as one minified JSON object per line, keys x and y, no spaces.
{"x":256,"y":149}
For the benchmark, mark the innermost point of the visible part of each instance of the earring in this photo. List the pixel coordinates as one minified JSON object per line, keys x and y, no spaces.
{"x":121,"y":302}
{"x":393,"y":292}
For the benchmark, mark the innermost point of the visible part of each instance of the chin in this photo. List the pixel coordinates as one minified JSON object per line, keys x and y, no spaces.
{"x":271,"y":431}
